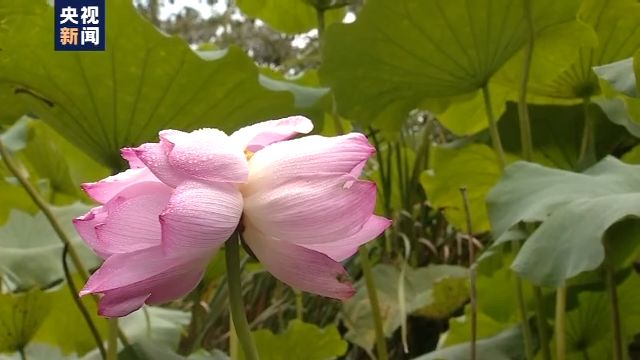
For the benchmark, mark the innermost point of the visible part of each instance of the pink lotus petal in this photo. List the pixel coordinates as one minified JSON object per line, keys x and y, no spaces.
{"x":154,"y":156}
{"x":104,"y":190}
{"x":155,"y":290}
{"x":133,"y":218}
{"x":299,"y":267}
{"x":311,"y":209}
{"x":257,"y":136}
{"x":342,"y":249}
{"x":308,"y":155}
{"x":143,"y":273}
{"x":121,"y":302}
{"x":200,"y":217}
{"x":130,"y":155}
{"x":86,"y":227}
{"x":206,"y":154}
{"x":175,"y":288}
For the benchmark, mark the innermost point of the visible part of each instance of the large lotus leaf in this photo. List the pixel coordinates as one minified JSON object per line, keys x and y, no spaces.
{"x":289,"y":16}
{"x":507,"y":345}
{"x":418,"y":293}
{"x":576,"y":209}
{"x":144,"y":81}
{"x":300,"y":341}
{"x":621,"y":101}
{"x":615,"y":23}
{"x":399,"y":54}
{"x":21,"y":315}
{"x":31,"y":252}
{"x":473,"y":166}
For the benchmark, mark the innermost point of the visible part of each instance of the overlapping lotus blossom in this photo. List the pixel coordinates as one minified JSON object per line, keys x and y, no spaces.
{"x":299,"y":203}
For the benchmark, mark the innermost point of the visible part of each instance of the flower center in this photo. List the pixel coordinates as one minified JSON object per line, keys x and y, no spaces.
{"x":248,"y":154}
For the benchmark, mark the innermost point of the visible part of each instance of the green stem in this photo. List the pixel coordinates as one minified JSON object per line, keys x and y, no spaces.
{"x":233,"y":340}
{"x":472,"y":274}
{"x":299,"y":305}
{"x":23,"y":355}
{"x":321,"y":24}
{"x":41,"y":203}
{"x":83,"y":310}
{"x":524,"y":319}
{"x":587,"y":136}
{"x":523,"y":111}
{"x":236,"y":302}
{"x":44,"y":207}
{"x":561,"y":323}
{"x":542,"y":324}
{"x":112,"y":339}
{"x":613,"y":301}
{"x":497,"y":146}
{"x":493,"y":127}
{"x":381,"y":342}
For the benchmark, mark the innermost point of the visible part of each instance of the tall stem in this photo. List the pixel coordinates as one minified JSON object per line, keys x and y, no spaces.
{"x":80,"y":305}
{"x":523,"y":111}
{"x":493,"y":127}
{"x":587,"y":136}
{"x":561,"y":323}
{"x":299,"y":305}
{"x":112,"y":339}
{"x":233,"y":340}
{"x":542,"y":325}
{"x":236,"y":303}
{"x":44,"y":207}
{"x":42,"y":204}
{"x":613,"y":301}
{"x":321,"y":24}
{"x":497,"y":146}
{"x":524,"y":317}
{"x":23,"y":354}
{"x":381,"y":344}
{"x":472,"y":274}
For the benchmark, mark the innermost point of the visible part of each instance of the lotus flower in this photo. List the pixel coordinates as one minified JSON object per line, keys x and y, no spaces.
{"x":298,"y":203}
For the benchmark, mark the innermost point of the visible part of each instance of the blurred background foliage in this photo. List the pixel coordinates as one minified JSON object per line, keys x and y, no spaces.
{"x":435,"y":85}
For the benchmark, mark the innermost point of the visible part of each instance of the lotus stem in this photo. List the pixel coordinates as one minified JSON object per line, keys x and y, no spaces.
{"x":321,"y":24}
{"x":236,"y":303}
{"x":472,"y":274}
{"x":42,"y":204}
{"x":381,"y":344}
{"x":541,"y":323}
{"x":586,"y":143}
{"x":561,"y":323}
{"x":523,"y":313}
{"x":299,"y":305}
{"x":493,"y":127}
{"x":80,"y":305}
{"x":112,"y":339}
{"x":613,"y":301}
{"x":523,"y":112}
{"x":497,"y":146}
{"x":44,"y":207}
